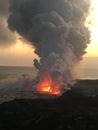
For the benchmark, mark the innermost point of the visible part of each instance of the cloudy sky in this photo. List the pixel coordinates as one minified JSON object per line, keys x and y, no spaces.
{"x":14,"y":51}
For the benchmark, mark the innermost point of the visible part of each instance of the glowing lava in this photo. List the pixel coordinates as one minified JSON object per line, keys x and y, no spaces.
{"x":48,"y":86}
{"x":47,"y":89}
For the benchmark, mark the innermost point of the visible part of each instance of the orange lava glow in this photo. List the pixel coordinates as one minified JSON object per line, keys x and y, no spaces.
{"x":47,"y":86}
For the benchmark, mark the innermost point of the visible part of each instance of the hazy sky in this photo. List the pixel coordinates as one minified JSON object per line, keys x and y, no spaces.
{"x":21,"y":54}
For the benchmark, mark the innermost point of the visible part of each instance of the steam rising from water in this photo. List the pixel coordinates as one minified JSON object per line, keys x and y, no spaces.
{"x":57,"y":30}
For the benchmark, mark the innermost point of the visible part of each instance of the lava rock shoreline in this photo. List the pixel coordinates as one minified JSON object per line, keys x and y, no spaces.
{"x":71,"y":111}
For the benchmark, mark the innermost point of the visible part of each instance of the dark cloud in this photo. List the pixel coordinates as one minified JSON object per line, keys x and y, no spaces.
{"x":57,"y":29}
{"x":6,"y":36}
{"x":4,"y":7}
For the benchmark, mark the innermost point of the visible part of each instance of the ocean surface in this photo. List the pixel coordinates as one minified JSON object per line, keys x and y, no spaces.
{"x":11,"y":74}
{"x":14,"y":81}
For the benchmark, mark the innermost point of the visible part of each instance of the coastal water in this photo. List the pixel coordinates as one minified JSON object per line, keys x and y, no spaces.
{"x":88,"y":73}
{"x":10,"y":74}
{"x":16,"y":82}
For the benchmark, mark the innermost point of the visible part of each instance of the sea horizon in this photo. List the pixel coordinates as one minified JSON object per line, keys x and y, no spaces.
{"x":82,"y":72}
{"x":17,"y":81}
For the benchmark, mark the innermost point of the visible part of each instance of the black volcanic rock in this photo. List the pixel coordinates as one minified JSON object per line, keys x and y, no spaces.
{"x":66,"y":113}
{"x":71,"y":111}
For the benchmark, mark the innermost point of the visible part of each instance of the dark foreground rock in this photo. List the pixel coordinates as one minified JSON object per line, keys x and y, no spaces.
{"x":71,"y":111}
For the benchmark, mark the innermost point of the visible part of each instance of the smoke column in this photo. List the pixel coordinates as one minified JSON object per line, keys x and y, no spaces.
{"x":57,"y":30}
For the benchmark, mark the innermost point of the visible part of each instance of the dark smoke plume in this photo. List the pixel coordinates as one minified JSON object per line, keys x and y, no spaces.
{"x":6,"y":36}
{"x":57,"y":30}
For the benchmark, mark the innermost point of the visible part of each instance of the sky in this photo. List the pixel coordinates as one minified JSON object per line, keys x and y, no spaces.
{"x":92,"y":24}
{"x":18,"y":53}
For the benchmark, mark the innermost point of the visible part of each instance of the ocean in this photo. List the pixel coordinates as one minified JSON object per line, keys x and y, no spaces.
{"x":14,"y":81}
{"x":88,"y":73}
{"x":9,"y":73}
